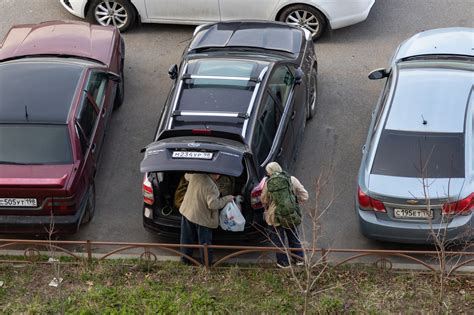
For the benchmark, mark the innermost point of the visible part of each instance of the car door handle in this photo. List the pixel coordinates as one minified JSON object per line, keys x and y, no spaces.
{"x":93,"y":147}
{"x":280,"y":152}
{"x":293,"y":115}
{"x":364,"y":149}
{"x":104,"y":111}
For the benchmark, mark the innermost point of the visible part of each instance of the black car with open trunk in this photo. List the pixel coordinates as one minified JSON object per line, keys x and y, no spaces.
{"x":240,"y":99}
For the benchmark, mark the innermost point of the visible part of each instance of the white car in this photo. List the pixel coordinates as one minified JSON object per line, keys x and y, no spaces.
{"x":314,"y":15}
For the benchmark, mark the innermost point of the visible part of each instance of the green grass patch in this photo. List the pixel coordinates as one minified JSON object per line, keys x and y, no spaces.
{"x":125,"y":287}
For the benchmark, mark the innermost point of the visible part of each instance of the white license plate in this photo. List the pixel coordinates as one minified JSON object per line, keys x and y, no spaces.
{"x":413,"y":213}
{"x":18,"y":202}
{"x":192,"y":155}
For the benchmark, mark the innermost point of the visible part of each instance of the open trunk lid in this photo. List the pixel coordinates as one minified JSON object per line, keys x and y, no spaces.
{"x":194,"y":154}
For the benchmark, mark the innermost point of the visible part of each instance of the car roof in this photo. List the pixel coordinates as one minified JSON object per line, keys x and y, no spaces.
{"x":254,"y":34}
{"x":442,"y":41}
{"x":69,"y":38}
{"x":34,"y":91}
{"x":430,"y":99}
{"x":217,"y":95}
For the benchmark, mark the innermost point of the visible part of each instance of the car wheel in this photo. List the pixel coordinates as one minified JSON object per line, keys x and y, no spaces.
{"x":120,"y":93}
{"x":313,"y":95}
{"x":90,"y":206}
{"x":119,"y":13}
{"x":306,"y":17}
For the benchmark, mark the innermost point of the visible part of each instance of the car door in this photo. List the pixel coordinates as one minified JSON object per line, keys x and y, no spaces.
{"x":247,"y":9}
{"x":274,"y":132}
{"x":183,"y":11}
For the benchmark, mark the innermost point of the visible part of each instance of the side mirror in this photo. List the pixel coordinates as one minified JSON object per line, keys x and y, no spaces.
{"x":299,"y":76}
{"x":173,"y":72}
{"x":114,"y":77}
{"x":378,"y":74}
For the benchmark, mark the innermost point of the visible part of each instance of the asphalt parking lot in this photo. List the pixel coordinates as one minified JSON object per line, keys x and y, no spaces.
{"x":333,"y":138}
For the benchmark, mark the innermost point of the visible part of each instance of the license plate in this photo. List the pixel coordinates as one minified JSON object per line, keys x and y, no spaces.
{"x":413,"y":213}
{"x":18,"y":202}
{"x":192,"y":155}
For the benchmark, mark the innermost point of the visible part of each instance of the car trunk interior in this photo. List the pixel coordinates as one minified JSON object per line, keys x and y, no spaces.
{"x":166,"y":185}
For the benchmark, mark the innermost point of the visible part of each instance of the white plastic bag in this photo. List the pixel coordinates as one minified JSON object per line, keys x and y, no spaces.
{"x":231,"y":219}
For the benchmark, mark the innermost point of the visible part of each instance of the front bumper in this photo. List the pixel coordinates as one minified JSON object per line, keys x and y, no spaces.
{"x":461,"y":228}
{"x":75,"y":7}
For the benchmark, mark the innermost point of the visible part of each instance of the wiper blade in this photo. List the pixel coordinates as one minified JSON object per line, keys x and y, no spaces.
{"x":19,"y":163}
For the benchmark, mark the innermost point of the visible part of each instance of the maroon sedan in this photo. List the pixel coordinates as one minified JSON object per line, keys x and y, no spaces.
{"x":59,"y":82}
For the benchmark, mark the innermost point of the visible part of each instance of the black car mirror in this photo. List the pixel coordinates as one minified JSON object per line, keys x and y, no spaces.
{"x":378,"y":74}
{"x":173,"y":72}
{"x":299,"y":76}
{"x":114,"y":76}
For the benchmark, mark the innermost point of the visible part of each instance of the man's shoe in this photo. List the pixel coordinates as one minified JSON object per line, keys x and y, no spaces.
{"x":282,"y":266}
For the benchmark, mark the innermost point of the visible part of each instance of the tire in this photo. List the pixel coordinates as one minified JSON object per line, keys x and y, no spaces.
{"x":306,"y":17}
{"x":313,"y":94}
{"x":119,"y":13}
{"x":90,"y":206}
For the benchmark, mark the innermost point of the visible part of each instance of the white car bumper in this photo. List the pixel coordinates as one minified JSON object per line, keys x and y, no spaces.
{"x":348,"y":12}
{"x":75,"y":7}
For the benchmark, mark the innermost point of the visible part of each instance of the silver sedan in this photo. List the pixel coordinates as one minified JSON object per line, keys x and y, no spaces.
{"x":416,"y":178}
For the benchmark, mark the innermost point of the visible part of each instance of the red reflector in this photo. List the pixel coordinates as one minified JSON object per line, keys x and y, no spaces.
{"x":201,"y":132}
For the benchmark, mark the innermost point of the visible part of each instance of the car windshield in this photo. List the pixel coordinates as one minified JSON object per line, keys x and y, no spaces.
{"x":34,"y":144}
{"x":218,"y":85}
{"x":421,"y":155}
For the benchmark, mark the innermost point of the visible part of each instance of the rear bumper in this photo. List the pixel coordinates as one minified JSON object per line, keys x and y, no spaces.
{"x":169,"y":229}
{"x":68,"y":224}
{"x":75,"y":7}
{"x":461,"y":228}
{"x":359,"y":12}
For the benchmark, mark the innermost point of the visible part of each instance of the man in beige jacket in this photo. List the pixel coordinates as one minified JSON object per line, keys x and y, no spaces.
{"x":200,"y":212}
{"x":277,"y":233}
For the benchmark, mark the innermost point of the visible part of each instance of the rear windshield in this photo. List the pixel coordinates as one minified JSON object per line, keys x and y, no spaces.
{"x":35,"y":144}
{"x":231,"y":91}
{"x":422,"y":155}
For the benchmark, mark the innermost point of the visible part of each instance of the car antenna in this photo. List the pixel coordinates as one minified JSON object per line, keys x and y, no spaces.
{"x":425,"y":122}
{"x":26,"y":112}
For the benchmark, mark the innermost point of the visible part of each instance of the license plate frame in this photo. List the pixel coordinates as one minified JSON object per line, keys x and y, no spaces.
{"x":194,"y":155}
{"x":420,"y":214}
{"x":18,"y":203}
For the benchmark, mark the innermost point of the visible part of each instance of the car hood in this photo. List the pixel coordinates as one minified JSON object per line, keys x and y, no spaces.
{"x":400,"y":189}
{"x":59,"y":38}
{"x":35,"y":175}
{"x":204,"y":154}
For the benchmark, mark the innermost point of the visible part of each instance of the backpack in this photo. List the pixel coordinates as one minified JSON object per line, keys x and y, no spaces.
{"x":287,"y":209}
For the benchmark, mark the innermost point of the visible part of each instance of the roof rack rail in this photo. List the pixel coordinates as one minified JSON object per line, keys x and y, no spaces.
{"x":252,"y":100}
{"x":209,"y":113}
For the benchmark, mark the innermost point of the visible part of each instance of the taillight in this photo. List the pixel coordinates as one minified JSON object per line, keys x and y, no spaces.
{"x":462,"y":207}
{"x":148,"y":196}
{"x":62,"y":205}
{"x":368,"y":203}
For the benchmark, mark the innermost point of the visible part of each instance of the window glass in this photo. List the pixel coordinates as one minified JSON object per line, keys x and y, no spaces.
{"x":96,"y":87}
{"x":266,"y":127}
{"x":383,"y":102}
{"x":280,"y":84}
{"x":35,"y":144}
{"x":87,"y":117}
{"x":420,"y":155}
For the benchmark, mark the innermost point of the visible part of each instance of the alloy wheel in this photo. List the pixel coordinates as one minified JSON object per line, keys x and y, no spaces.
{"x":305,"y":19}
{"x":111,"y":13}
